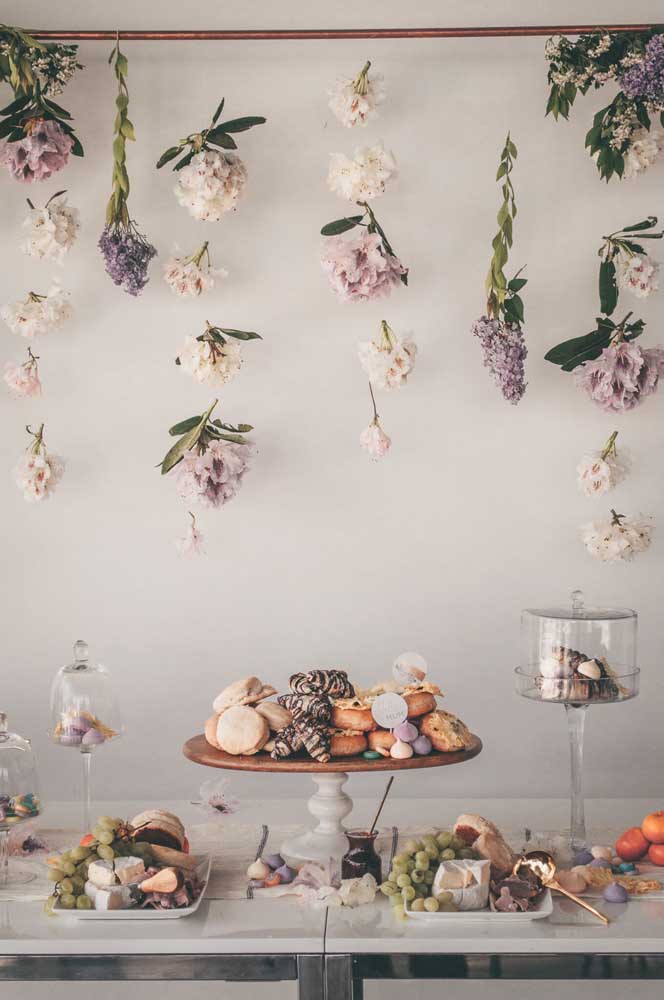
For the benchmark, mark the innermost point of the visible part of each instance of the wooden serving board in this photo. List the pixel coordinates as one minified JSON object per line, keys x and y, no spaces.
{"x":199,"y":750}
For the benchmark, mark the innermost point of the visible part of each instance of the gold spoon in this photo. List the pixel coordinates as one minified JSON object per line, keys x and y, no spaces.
{"x":543,"y":865}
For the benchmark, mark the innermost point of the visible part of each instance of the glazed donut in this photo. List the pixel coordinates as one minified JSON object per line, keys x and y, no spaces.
{"x":381,"y":739}
{"x":419,"y":703}
{"x":347,"y":743}
{"x":351,"y":713}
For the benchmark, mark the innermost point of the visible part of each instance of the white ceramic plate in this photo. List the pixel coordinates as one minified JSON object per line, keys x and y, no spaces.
{"x":135,"y":913}
{"x":543,"y":909}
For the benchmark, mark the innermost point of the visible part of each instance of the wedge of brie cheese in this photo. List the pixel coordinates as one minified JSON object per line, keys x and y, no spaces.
{"x":115,"y":897}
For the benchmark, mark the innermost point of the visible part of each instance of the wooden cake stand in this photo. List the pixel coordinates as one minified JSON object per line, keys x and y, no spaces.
{"x":330,"y":804}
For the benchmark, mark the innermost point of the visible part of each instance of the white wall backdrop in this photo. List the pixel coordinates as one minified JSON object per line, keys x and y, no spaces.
{"x":326,"y":558}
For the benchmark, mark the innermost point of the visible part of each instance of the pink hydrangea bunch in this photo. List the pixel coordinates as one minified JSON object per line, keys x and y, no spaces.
{"x":23,"y":380}
{"x":211,"y":184}
{"x":44,"y":150}
{"x":213,"y":478}
{"x":359,"y":268}
{"x":37,"y":473}
{"x":192,"y":543}
{"x":622,"y":377}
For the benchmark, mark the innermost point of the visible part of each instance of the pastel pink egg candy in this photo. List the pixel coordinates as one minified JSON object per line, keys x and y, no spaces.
{"x":422,"y":745}
{"x":400,"y":750}
{"x":92,"y":738}
{"x":70,"y":739}
{"x":77,"y":723}
{"x":599,"y":863}
{"x":615,"y":893}
{"x":602,"y":852}
{"x":406,"y":732}
{"x":286,"y":873}
{"x":573,"y":881}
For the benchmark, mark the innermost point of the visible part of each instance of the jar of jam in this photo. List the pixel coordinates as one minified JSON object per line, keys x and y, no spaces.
{"x":361,"y":857}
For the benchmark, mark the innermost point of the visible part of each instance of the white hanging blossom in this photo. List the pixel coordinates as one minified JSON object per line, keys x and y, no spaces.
{"x":23,"y":380}
{"x":209,"y":362}
{"x":363,"y":177}
{"x":52,"y":230}
{"x":389,"y":362}
{"x":211,"y":184}
{"x":37,"y":472}
{"x":643,"y":150}
{"x":38,"y":313}
{"x":639,"y":274}
{"x":618,"y":539}
{"x":373,"y":438}
{"x":600,"y":471}
{"x":355,"y":101}
{"x":192,"y":543}
{"x":192,"y":276}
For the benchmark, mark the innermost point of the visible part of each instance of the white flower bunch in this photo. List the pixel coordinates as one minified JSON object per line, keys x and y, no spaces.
{"x":192,"y":543}
{"x":638,"y":273}
{"x":211,"y":184}
{"x":643,"y":150}
{"x":52,"y":230}
{"x":23,"y":380}
{"x":363,"y":177}
{"x":389,"y":362}
{"x":38,"y":313}
{"x":210,"y":362}
{"x":599,"y":472}
{"x":37,"y":473}
{"x":374,"y":440}
{"x":618,"y":539}
{"x":191,"y":276}
{"x":355,"y":101}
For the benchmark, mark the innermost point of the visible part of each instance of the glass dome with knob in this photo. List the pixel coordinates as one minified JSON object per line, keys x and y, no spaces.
{"x":84,"y":712}
{"x":577,"y":657}
{"x":19,"y":796}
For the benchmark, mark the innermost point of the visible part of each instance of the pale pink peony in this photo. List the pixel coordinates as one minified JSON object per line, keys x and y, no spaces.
{"x":44,"y":150}
{"x":213,"y":478}
{"x":37,"y":474}
{"x":191,"y":544}
{"x":358,"y":267}
{"x":622,"y":376}
{"x":374,"y":440}
{"x":23,"y":380}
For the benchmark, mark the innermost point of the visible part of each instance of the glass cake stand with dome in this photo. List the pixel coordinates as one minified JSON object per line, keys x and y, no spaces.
{"x":84,"y":712}
{"x":578,"y":657}
{"x":19,"y":797}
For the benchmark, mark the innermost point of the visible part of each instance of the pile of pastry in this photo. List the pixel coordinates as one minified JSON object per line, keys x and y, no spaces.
{"x":568,"y":675}
{"x":323,"y":716}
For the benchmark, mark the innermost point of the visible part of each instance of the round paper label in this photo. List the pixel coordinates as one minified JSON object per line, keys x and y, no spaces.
{"x":409,"y":668}
{"x":389,"y":710}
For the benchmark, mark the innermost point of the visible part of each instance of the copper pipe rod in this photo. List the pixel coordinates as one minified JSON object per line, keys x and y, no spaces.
{"x":336,"y":33}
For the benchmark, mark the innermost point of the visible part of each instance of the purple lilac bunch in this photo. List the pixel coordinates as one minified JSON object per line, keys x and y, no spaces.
{"x":505,"y":352}
{"x":44,"y":150}
{"x":622,"y":376}
{"x":127,"y":255}
{"x":646,"y":78}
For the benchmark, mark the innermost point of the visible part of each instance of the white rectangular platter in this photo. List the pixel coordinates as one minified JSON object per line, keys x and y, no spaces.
{"x":135,"y":913}
{"x":544,"y":908}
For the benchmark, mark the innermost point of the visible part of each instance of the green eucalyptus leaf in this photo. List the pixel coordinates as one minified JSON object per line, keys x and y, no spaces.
{"x":185,"y":161}
{"x":77,"y":148}
{"x":180,"y":449}
{"x":241,"y":124}
{"x":219,"y":138}
{"x":220,"y":108}
{"x":648,"y":223}
{"x":516,"y":284}
{"x":241,"y":334}
{"x":56,"y":109}
{"x":170,"y":154}
{"x":341,"y":225}
{"x":121,"y":65}
{"x":574,"y":352}
{"x":185,"y":425}
{"x":16,"y":105}
{"x":127,"y":130}
{"x":608,"y":289}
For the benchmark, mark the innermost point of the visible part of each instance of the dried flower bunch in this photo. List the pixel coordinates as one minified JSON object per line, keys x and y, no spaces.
{"x":388,"y":361}
{"x":23,"y":380}
{"x":599,"y":472}
{"x":626,"y":265}
{"x":189,"y":277}
{"x":213,"y":358}
{"x":210,"y":183}
{"x":38,"y":313}
{"x":37,"y":472}
{"x":622,"y":139}
{"x":364,"y":176}
{"x":355,"y":101}
{"x":52,"y":230}
{"x":373,"y":438}
{"x":499,"y":330}
{"x":126,"y":252}
{"x":191,"y":543}
{"x":619,"y":538}
{"x":37,"y":133}
{"x":364,"y":266}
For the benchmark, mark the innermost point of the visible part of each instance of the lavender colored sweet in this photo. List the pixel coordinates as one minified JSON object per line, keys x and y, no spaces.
{"x":406,"y":732}
{"x":599,"y":863}
{"x":92,"y":738}
{"x":286,"y":873}
{"x":615,"y":893}
{"x":77,"y":724}
{"x":422,"y":745}
{"x":127,"y":255}
{"x":70,"y":739}
{"x":583,"y":858}
{"x":504,"y":355}
{"x":274,"y":861}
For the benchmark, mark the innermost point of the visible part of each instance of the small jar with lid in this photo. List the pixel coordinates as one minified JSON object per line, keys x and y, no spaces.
{"x":19,"y":795}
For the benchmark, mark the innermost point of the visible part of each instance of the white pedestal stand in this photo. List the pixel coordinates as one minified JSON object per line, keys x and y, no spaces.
{"x":329,"y":806}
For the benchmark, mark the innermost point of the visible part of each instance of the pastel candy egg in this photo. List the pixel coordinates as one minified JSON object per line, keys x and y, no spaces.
{"x":572,"y":881}
{"x":400,"y":750}
{"x":599,"y":863}
{"x":286,"y":873}
{"x":583,"y":858}
{"x":627,"y":867}
{"x":602,"y":852}
{"x":77,"y":723}
{"x":70,"y":739}
{"x":406,"y":732}
{"x":92,"y":738}
{"x":589,"y":669}
{"x":615,"y":893}
{"x":274,"y":861}
{"x":422,"y":745}
{"x":371,"y":755}
{"x":258,"y":870}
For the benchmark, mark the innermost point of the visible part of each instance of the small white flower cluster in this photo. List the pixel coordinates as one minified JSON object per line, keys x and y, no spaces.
{"x":23,"y":380}
{"x":363,"y":177}
{"x":209,"y":362}
{"x":52,"y":230}
{"x":388,"y":363}
{"x":638,"y":273}
{"x":211,"y":184}
{"x":355,"y":101}
{"x":374,"y":440}
{"x":192,"y":543}
{"x":619,"y":538}
{"x":189,"y":277}
{"x":38,"y":474}
{"x":643,"y":150}
{"x":598,"y":473}
{"x":38,"y":313}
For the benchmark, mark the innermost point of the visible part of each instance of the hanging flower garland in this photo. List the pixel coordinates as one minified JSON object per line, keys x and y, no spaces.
{"x":599,"y":472}
{"x":373,"y":438}
{"x":211,"y":459}
{"x":364,"y":266}
{"x":38,"y":472}
{"x":616,"y":373}
{"x":38,"y":313}
{"x":619,"y":538}
{"x":212,"y":358}
{"x":210,"y":183}
{"x":192,"y":543}
{"x":499,"y":331}
{"x":192,"y":276}
{"x":389,"y":361}
{"x":23,"y":380}
{"x":623,"y":139}
{"x":363,"y":177}
{"x":126,"y":252}
{"x":37,"y":133}
{"x":52,"y":230}
{"x":355,"y":101}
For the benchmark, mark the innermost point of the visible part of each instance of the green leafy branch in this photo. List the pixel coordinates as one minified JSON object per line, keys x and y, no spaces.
{"x":615,"y":244}
{"x":217,"y":337}
{"x":117,"y":213}
{"x":576,"y":351}
{"x":198,"y":432}
{"x":213,"y":135}
{"x":370,"y":222}
{"x":502,"y":295}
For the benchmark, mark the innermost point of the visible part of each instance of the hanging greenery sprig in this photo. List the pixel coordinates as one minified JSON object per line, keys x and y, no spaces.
{"x":127,"y":253}
{"x":213,"y":135}
{"x":625,"y":262}
{"x":503,"y":300}
{"x":26,"y":63}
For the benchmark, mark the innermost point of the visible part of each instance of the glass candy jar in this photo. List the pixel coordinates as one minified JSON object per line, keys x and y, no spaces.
{"x":577,"y":657}
{"x":84,"y":712}
{"x":361,"y":858}
{"x":19,"y":795}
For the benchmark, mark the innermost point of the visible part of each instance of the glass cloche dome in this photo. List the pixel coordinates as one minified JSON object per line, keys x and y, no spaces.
{"x":19,"y":794}
{"x":84,"y":712}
